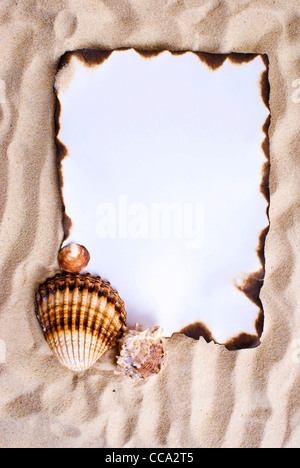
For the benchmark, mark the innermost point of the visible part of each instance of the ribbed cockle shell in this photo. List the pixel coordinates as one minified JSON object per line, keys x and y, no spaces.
{"x":81,"y":316}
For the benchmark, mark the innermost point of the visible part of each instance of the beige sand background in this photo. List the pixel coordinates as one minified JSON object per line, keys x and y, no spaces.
{"x":206,"y":396}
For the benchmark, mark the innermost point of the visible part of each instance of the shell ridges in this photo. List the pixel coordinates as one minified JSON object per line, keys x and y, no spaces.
{"x":81,"y":316}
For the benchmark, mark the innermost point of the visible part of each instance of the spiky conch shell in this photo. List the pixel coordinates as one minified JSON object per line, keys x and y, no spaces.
{"x":81,"y":317}
{"x":142,"y":352}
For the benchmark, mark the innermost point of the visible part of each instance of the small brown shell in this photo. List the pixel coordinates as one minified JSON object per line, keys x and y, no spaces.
{"x":142,"y":352}
{"x":73,"y":258}
{"x":81,"y":317}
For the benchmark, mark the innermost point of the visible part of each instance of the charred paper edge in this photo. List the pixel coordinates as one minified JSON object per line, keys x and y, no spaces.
{"x":254,"y":281}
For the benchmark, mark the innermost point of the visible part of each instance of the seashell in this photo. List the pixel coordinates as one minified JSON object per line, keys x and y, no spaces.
{"x":81,"y":317}
{"x":142,"y":352}
{"x":73,"y":258}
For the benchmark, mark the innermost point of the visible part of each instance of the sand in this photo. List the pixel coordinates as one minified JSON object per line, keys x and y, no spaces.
{"x":206,"y":395}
